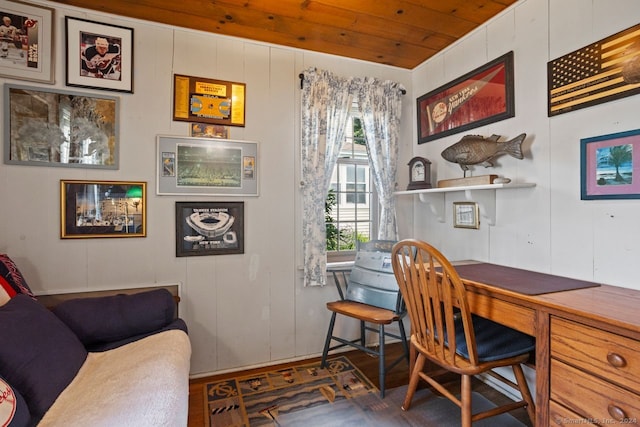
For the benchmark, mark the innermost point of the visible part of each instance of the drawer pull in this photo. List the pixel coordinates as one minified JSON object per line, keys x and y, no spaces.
{"x":616,"y":412}
{"x":616,"y":360}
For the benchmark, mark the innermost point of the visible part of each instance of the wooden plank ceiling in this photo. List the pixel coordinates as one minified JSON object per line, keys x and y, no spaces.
{"x":402,"y":33}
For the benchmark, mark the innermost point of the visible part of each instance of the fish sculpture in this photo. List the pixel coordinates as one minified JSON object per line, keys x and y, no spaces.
{"x":475,"y":149}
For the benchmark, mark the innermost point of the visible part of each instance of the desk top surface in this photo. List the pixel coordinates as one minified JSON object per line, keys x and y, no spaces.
{"x":518,"y":280}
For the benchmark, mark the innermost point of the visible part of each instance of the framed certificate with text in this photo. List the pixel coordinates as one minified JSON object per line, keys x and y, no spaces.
{"x":201,"y":100}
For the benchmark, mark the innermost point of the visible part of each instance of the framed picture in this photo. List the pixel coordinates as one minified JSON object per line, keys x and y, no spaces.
{"x":209,"y":228}
{"x":465,"y":215}
{"x":60,"y":128}
{"x":26,"y":50}
{"x":102,"y":209}
{"x":99,"y":56}
{"x":214,"y":102}
{"x":482,"y":96}
{"x":610,"y":166}
{"x":201,"y":130}
{"x":206,"y":166}
{"x":600,"y":72}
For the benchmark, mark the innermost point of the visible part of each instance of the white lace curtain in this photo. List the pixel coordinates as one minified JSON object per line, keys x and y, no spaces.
{"x":326,"y":102}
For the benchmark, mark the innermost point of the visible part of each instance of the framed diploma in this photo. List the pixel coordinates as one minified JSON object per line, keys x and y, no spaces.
{"x":200,"y":100}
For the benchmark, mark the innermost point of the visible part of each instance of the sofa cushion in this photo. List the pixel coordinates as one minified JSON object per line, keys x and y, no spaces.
{"x":12,"y":282}
{"x":177,"y":324}
{"x":13,"y":409}
{"x":107,"y":319}
{"x":39,"y":355}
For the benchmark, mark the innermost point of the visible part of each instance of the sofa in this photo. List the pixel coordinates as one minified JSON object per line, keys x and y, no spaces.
{"x":118,"y":360}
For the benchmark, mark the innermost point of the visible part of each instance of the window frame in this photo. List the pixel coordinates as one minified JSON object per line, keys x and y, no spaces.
{"x":370,"y":189}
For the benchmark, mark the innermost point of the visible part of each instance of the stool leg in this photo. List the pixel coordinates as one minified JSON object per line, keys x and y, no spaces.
{"x":327,"y":342}
{"x":381,"y":363}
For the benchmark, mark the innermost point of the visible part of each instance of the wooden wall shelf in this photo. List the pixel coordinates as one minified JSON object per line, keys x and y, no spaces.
{"x":484,"y":195}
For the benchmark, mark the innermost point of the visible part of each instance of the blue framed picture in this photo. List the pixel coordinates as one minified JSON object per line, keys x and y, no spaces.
{"x":610,"y":166}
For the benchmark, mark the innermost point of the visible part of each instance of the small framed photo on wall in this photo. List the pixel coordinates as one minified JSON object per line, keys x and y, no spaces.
{"x":99,"y":56}
{"x":465,"y":215}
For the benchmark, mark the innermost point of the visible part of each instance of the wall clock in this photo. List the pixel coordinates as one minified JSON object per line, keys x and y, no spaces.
{"x":419,"y":174}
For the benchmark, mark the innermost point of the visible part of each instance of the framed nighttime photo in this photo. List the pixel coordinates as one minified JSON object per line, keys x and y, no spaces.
{"x":27,"y":41}
{"x":206,"y":166}
{"x":102,"y":209}
{"x":209,"y":228}
{"x":465,"y":215}
{"x":482,"y":96}
{"x":45,"y":127}
{"x":99,"y":56}
{"x":610,"y":166}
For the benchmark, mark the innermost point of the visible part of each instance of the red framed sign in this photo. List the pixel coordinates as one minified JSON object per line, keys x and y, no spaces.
{"x":482,"y":96}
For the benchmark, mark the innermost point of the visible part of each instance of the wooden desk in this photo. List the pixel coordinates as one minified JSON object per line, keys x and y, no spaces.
{"x":587,"y":348}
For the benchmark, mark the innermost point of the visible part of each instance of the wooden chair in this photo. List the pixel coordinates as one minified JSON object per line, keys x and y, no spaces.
{"x":446,"y":333}
{"x":371,"y":295}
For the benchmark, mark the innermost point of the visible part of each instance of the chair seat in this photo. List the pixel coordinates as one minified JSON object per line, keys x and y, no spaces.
{"x":494,"y":341}
{"x":368,"y":313}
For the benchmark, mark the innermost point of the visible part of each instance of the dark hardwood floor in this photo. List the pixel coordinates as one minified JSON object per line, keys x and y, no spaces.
{"x":396,"y":377}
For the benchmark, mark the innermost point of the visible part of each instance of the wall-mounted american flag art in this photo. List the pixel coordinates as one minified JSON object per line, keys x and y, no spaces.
{"x":605,"y":70}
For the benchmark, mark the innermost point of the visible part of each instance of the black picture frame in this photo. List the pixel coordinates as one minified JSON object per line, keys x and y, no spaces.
{"x":90,"y":209}
{"x":209,"y":228}
{"x":482,"y":96}
{"x":112,"y":70}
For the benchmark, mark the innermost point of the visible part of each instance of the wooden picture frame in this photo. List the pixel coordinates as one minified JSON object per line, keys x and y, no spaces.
{"x":482,"y":96}
{"x":46,"y":127}
{"x":466,"y":215}
{"x":29,"y":56}
{"x":99,"y":56}
{"x":610,"y":166}
{"x":90,"y":209}
{"x":206,"y":166}
{"x":209,"y":228}
{"x":210,"y":101}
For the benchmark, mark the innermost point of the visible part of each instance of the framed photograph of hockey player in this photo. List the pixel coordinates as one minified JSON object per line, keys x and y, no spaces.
{"x":26,"y":41}
{"x":99,"y":56}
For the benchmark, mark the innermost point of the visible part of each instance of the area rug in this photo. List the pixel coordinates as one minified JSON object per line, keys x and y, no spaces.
{"x":339,"y":395}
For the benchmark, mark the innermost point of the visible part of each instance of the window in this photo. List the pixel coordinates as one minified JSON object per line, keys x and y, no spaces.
{"x":351,"y":210}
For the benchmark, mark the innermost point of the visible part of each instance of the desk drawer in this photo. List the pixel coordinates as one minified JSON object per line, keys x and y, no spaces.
{"x":506,"y":313}
{"x":561,"y":416}
{"x":592,"y":397}
{"x":607,"y":355}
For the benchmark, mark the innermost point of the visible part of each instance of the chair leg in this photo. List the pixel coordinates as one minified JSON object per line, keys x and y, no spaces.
{"x":413,"y":381}
{"x":327,"y":342}
{"x":465,"y":401}
{"x":363,"y":334}
{"x":381,"y":361}
{"x":526,"y":394}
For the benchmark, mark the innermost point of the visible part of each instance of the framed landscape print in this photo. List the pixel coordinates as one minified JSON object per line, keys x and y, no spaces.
{"x":482,"y":96}
{"x":102,"y":209}
{"x":26,"y":50}
{"x":45,"y":127}
{"x":206,"y":166}
{"x":610,"y":166}
{"x":209,"y":228}
{"x":99,"y":56}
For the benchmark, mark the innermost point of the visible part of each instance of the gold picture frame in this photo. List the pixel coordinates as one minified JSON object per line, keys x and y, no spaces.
{"x":90,"y":209}
{"x":466,"y":215}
